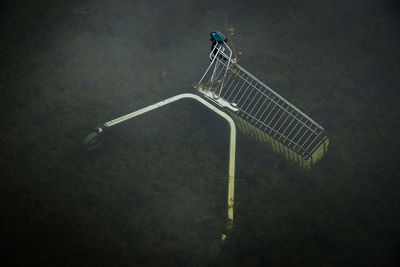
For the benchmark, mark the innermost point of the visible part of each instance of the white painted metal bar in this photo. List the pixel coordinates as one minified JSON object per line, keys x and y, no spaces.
{"x":290,"y":123}
{"x":269,"y":114}
{"x":280,"y":98}
{"x":231,"y":92}
{"x":273,"y":130}
{"x":255,"y":115}
{"x":226,"y":69}
{"x":249,"y":105}
{"x":226,"y":89}
{"x":283,"y":123}
{"x":212,"y":61}
{"x":292,"y":130}
{"x":276,"y":113}
{"x":232,"y":144}
{"x":234,"y":99}
{"x":283,"y":113}
{"x":262,"y":107}
{"x":277,"y":95}
{"x":297,"y":132}
{"x":312,"y":141}
{"x":262,"y":114}
{"x":302,"y":136}
{"x":247,"y":88}
{"x":305,"y":141}
{"x":255,"y":105}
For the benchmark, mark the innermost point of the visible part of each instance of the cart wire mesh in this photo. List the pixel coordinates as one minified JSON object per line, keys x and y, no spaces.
{"x":260,"y":106}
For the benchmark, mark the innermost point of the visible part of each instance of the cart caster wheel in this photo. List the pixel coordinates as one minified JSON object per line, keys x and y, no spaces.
{"x":94,"y":139}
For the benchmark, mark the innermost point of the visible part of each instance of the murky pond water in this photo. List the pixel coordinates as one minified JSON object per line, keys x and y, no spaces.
{"x":155,"y":192}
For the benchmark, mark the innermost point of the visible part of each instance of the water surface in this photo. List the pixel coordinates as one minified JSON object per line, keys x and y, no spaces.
{"x":155,"y":192}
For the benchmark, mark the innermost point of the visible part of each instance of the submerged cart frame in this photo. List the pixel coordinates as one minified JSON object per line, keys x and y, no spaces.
{"x":95,"y":139}
{"x":257,"y":110}
{"x":260,"y":111}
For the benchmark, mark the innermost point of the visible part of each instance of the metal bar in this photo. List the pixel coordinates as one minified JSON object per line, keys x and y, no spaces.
{"x":277,"y":95}
{"x":257,"y":91}
{"x":279,"y":98}
{"x":266,"y":126}
{"x":283,"y":124}
{"x":292,"y":129}
{"x":255,"y":106}
{"x":227,"y":80}
{"x":251,"y":101}
{"x":227,"y":66}
{"x":232,"y":90}
{"x":209,"y":66}
{"x":276,"y":113}
{"x":232,"y":144}
{"x":292,"y":139}
{"x":305,"y":142}
{"x":216,"y":68}
{"x":255,"y":115}
{"x":316,"y":147}
{"x":265,"y":120}
{"x":299,"y":140}
{"x":293,"y":119}
{"x":244,"y":82}
{"x":216,"y":77}
{"x":260,"y":106}
{"x":262,"y":114}
{"x":277,"y":103}
{"x":283,"y":112}
{"x":312,"y":141}
{"x":243,"y":94}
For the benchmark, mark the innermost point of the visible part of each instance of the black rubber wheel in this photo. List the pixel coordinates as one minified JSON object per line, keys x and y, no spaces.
{"x":93,"y":140}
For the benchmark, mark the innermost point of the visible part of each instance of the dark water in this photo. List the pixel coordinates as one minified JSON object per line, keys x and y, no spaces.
{"x":155,"y":192}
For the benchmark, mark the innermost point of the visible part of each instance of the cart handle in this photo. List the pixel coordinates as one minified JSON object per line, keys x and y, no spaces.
{"x":232,"y":146}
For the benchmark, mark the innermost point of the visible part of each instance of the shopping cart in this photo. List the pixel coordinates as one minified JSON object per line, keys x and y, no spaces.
{"x":256,"y":109}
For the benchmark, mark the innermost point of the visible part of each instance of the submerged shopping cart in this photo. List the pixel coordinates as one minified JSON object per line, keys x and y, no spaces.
{"x":257,"y":110}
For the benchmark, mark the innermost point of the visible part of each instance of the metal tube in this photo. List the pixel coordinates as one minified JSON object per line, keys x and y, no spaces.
{"x":245,"y":91}
{"x":232,"y":145}
{"x":209,"y":66}
{"x":255,"y":115}
{"x":251,"y":101}
{"x":258,"y":100}
{"x":233,"y":90}
{"x":262,"y":114}
{"x":240,"y":89}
